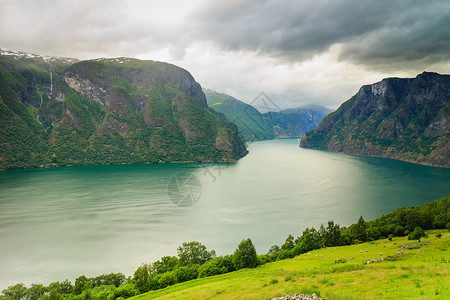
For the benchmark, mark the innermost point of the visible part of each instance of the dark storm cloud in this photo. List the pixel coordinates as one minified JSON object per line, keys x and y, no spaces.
{"x":382,"y":34}
{"x":367,"y":32}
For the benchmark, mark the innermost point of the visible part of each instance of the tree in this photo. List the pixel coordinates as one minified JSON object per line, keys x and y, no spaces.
{"x":166,"y":264}
{"x":115,"y":279}
{"x":245,"y":255}
{"x":140,"y":278}
{"x":36,"y":291}
{"x":417,"y":234}
{"x":273,"y":253}
{"x":194,"y":253}
{"x":53,"y":295}
{"x":399,"y":230}
{"x":16,"y":292}
{"x":359,"y":229}
{"x":64,"y":287}
{"x":289,"y":243}
{"x":81,"y":283}
{"x":310,"y":240}
{"x":414,"y":219}
{"x":373,"y":233}
{"x":332,"y":234}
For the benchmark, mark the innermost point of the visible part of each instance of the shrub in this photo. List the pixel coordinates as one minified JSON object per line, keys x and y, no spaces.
{"x":213,"y":267}
{"x":166,"y":280}
{"x":186,"y":273}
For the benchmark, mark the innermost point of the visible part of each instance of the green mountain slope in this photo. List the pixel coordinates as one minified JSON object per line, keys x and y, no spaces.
{"x":334,"y":273}
{"x":406,"y":119}
{"x":251,"y":123}
{"x":255,"y":126}
{"x":62,"y":112}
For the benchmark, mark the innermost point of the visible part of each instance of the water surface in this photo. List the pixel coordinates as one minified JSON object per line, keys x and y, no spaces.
{"x":64,"y":222}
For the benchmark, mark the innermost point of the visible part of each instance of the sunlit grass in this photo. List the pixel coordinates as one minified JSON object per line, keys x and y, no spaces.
{"x":334,"y":274}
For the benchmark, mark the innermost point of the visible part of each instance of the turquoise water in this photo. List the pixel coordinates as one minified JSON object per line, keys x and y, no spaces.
{"x":64,"y":222}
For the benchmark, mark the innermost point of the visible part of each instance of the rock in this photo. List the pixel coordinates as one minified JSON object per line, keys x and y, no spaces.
{"x":382,"y":120}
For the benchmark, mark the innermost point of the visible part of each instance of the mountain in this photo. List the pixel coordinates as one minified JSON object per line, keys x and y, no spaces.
{"x":57,"y":111}
{"x":405,"y":119}
{"x":250,"y":122}
{"x":254,"y":126}
{"x":295,"y":122}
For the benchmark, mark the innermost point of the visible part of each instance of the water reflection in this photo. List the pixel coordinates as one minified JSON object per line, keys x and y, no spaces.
{"x":61,"y":223}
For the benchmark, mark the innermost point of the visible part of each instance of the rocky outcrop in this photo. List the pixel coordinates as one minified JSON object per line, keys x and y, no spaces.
{"x":405,"y":119}
{"x":297,"y":297}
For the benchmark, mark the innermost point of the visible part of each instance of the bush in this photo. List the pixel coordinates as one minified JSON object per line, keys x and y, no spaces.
{"x":213,"y":267}
{"x":273,"y":281}
{"x":125,"y":291}
{"x":166,"y":280}
{"x":186,"y":273}
{"x":284,"y":254}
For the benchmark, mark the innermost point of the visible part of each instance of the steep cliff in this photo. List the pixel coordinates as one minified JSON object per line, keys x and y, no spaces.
{"x":406,"y":119}
{"x":295,"y":122}
{"x":63,"y":112}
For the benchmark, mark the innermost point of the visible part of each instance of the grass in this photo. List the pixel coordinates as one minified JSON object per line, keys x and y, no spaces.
{"x":334,"y":274}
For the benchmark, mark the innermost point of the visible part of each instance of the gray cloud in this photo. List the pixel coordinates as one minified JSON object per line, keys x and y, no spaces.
{"x":297,"y":51}
{"x":383,"y":34}
{"x":86,"y":28}
{"x":374,"y":33}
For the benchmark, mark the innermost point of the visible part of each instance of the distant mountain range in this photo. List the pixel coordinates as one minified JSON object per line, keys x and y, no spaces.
{"x":406,"y":119}
{"x":255,"y":126}
{"x":62,"y":111}
{"x":59,"y":111}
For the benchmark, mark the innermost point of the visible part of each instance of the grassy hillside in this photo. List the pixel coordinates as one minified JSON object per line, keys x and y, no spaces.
{"x":335,"y":273}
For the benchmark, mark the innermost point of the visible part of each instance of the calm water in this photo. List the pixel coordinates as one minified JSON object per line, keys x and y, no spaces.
{"x":64,"y":222}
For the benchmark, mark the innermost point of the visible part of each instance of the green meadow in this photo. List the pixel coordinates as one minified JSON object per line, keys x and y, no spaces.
{"x":421,"y":272}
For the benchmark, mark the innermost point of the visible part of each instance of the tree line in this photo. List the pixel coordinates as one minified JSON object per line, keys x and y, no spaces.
{"x":194,"y":260}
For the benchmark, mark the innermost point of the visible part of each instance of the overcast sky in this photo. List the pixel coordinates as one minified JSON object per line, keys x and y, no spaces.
{"x":298,"y":52}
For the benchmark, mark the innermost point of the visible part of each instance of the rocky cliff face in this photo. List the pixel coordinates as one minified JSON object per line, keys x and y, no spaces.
{"x":406,"y":119}
{"x":62,"y":112}
{"x":295,"y":122}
